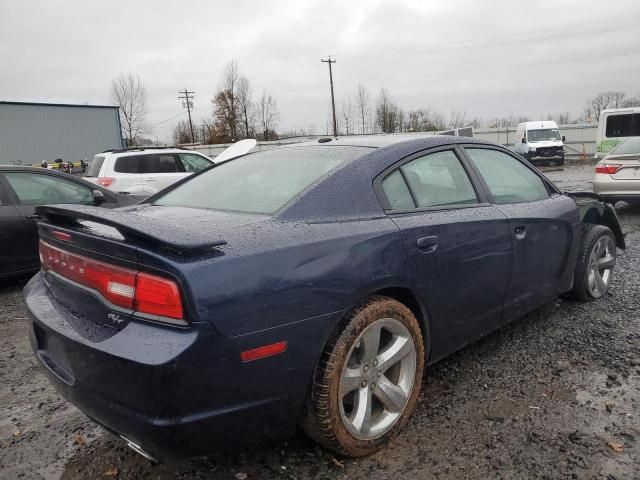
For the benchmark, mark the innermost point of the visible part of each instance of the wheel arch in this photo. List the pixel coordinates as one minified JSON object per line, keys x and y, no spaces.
{"x":409,"y":299}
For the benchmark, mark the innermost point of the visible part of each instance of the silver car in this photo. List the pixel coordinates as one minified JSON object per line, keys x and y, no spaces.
{"x":617,"y":175}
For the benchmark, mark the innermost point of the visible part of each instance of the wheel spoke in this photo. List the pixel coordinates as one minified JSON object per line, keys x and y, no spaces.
{"x":399,"y":348}
{"x":351,"y":379}
{"x":390,"y":395}
{"x":606,"y":262}
{"x":370,"y":343}
{"x":599,"y":281}
{"x":361,"y":416}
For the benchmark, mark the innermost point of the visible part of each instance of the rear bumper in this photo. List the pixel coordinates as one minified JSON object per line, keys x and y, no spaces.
{"x":609,"y":187}
{"x":176,"y":393}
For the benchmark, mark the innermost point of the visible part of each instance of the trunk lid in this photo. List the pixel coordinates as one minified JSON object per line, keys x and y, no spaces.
{"x":158,"y":241}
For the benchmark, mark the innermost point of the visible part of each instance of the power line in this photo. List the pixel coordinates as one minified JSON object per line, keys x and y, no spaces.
{"x":166,"y":120}
{"x":187,"y":98}
{"x":333,"y":101}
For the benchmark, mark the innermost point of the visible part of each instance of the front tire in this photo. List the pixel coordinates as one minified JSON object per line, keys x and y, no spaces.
{"x":595,"y":263}
{"x":368,"y":380}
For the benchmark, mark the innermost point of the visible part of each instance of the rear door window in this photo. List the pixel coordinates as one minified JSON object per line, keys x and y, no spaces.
{"x":161,"y":163}
{"x":436,"y":179}
{"x":193,"y":163}
{"x":128,"y":164}
{"x":40,"y":189}
{"x":508,"y":179}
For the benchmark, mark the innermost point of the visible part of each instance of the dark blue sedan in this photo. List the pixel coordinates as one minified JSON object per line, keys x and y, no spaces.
{"x":308,"y":285}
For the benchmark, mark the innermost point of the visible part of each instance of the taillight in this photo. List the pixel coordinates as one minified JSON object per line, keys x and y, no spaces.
{"x":609,"y":168}
{"x":138,"y":291}
{"x":105,"y":182}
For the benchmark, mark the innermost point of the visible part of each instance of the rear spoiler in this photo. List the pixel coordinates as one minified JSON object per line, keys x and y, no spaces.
{"x":131,"y":226}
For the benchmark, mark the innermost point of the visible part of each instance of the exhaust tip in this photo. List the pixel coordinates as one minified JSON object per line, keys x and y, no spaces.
{"x":138,"y":449}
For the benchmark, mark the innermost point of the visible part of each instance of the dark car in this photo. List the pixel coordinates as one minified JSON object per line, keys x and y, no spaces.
{"x":21,"y":190}
{"x":308,"y":285}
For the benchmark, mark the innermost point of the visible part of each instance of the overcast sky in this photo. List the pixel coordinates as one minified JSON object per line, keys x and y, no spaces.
{"x":491,"y":58}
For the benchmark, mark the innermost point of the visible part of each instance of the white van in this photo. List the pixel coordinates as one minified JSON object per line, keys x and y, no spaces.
{"x":614,"y":126}
{"x":540,"y":142}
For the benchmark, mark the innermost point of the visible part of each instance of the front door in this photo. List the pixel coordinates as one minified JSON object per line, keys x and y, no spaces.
{"x":13,"y":253}
{"x":544,"y":228}
{"x":458,"y":247}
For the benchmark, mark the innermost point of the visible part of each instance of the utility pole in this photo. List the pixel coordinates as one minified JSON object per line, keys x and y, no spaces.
{"x":187,"y":98}
{"x":333,"y":101}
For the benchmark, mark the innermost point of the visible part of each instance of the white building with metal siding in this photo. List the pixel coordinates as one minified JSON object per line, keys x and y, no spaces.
{"x":32,"y":132}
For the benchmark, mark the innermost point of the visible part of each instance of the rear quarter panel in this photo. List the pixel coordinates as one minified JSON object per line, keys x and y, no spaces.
{"x":278,"y":273}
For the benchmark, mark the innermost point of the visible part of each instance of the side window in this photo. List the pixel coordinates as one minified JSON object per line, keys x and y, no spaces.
{"x":397,"y":192}
{"x":129,"y":164}
{"x":193,"y":163}
{"x":508,"y":180}
{"x":161,"y":163}
{"x":437,"y":179}
{"x":37,"y":189}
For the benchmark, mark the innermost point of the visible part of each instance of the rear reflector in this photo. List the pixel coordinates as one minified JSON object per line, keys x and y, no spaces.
{"x":105,"y":182}
{"x":64,"y":236}
{"x":142,"y":292}
{"x":263,"y":352}
{"x":609,"y":168}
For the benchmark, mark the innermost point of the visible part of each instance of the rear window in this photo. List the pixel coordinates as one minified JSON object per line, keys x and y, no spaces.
{"x":627,"y":125}
{"x":627,"y":147}
{"x":93,"y":170}
{"x":260,"y":182}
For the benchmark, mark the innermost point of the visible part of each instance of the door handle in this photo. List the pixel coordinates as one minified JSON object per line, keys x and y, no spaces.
{"x":520,"y":231}
{"x":152,"y":180}
{"x":427,"y":244}
{"x":34,"y":216}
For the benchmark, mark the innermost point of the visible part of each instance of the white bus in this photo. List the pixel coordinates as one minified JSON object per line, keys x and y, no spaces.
{"x":614,"y":126}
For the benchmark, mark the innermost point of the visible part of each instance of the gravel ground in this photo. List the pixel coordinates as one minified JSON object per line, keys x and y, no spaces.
{"x":553,"y":395}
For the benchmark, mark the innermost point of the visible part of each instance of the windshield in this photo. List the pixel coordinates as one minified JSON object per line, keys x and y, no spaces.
{"x":543,"y":135}
{"x":628,"y":147}
{"x":260,"y":182}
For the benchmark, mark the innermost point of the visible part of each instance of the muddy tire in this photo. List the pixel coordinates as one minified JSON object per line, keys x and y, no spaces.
{"x":368,"y":379}
{"x":595,"y":263}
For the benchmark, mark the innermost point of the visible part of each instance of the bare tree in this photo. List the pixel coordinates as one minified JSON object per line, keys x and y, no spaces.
{"x":129,"y":93}
{"x":226,"y":106}
{"x":362,"y":105}
{"x":603,"y":100}
{"x":386,"y":112}
{"x":245,"y":104}
{"x":182,"y":133}
{"x":346,"y":114}
{"x":631,"y":102}
{"x":268,"y":115}
{"x":457,"y":118}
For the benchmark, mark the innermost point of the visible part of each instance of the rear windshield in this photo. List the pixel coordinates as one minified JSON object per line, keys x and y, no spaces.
{"x":260,"y":182}
{"x":628,"y":147}
{"x":93,"y":170}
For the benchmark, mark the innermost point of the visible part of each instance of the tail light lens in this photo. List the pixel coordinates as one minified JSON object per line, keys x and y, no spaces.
{"x":138,"y":291}
{"x":609,"y":168}
{"x":105,"y":182}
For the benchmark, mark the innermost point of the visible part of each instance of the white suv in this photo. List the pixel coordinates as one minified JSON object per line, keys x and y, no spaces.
{"x":143,"y":171}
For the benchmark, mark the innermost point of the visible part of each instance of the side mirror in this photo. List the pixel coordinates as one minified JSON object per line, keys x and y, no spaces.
{"x":524,"y":140}
{"x":563,"y":138}
{"x":98,"y":197}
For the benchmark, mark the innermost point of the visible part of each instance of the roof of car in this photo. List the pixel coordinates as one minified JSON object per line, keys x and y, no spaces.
{"x":382,"y":140}
{"x":123,"y":152}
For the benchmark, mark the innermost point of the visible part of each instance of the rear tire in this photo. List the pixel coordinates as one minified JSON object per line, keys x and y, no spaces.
{"x":595,"y":263}
{"x":368,"y":380}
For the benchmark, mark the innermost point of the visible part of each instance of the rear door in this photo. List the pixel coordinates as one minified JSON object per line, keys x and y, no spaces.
{"x":458,"y":245}
{"x":161,"y":170}
{"x":33,"y":188}
{"x":14,"y":251}
{"x":544,"y":228}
